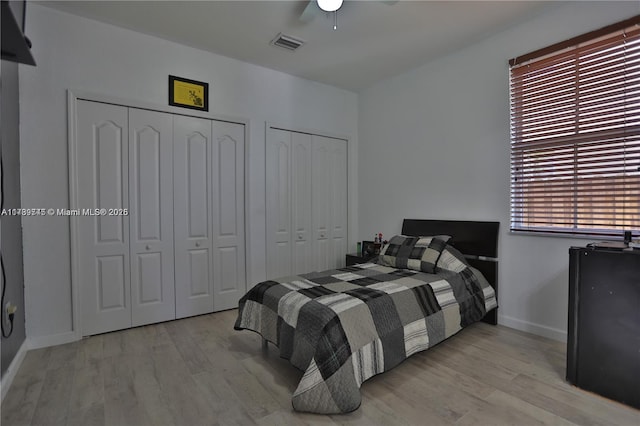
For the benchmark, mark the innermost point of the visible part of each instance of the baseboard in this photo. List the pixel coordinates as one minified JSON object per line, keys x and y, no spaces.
{"x":52,"y":340}
{"x":529,"y":327}
{"x":11,"y":372}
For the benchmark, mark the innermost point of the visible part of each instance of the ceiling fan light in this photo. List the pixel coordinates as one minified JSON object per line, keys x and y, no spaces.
{"x":329,"y":5}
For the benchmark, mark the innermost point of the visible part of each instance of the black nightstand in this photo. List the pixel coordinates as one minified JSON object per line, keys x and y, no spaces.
{"x":604,"y":323}
{"x":353,"y":258}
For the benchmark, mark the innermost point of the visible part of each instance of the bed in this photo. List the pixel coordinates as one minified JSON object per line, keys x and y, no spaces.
{"x":344,"y":326}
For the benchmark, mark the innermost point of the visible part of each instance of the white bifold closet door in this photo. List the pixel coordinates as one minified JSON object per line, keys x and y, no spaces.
{"x":301,"y":203}
{"x":229,"y":279}
{"x":278,"y":203}
{"x":125,"y":261}
{"x":193,"y":213}
{"x":329,"y":176}
{"x":209,"y":215}
{"x":180,"y":250}
{"x":306,"y":202}
{"x":151,"y":216}
{"x":103,"y":241}
{"x":288,"y":170}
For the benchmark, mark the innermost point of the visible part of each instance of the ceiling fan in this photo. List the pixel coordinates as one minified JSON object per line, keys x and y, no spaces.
{"x":316,"y":6}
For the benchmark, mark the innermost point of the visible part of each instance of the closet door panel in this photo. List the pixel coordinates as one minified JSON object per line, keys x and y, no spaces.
{"x":329,"y":177}
{"x":229,"y":216}
{"x":111,"y":282}
{"x":198,"y":275}
{"x":321,"y":203}
{"x":301,"y":203}
{"x":278,"y":190}
{"x":149,"y":277}
{"x":339,"y":200}
{"x":103,"y":241}
{"x":192,"y":216}
{"x":151,"y":211}
{"x":227,"y":160}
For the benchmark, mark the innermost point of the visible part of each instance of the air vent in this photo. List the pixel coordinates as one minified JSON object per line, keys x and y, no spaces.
{"x":287,"y":42}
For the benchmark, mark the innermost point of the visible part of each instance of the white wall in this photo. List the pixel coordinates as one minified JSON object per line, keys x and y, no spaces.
{"x":10,"y":226}
{"x":434,"y":143}
{"x":81,"y":54}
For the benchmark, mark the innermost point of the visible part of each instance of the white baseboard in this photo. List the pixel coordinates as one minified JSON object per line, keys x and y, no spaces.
{"x":10,"y":374}
{"x":529,"y":327}
{"x":52,"y":340}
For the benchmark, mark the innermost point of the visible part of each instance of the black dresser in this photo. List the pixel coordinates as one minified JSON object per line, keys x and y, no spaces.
{"x":603,"y":347}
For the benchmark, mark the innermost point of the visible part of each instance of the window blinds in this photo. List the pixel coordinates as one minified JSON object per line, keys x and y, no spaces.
{"x":575,"y":138}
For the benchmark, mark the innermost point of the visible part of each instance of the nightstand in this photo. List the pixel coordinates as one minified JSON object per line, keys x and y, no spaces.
{"x":354,"y":258}
{"x":604,"y":323}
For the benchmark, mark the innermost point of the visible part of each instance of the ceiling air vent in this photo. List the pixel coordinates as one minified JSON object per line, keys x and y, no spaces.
{"x":287,"y":42}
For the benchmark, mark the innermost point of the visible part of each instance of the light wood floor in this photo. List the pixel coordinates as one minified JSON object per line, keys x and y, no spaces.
{"x":199,"y":371}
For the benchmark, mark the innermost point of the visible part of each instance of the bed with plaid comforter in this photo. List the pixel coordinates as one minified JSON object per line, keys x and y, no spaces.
{"x":343,"y":326}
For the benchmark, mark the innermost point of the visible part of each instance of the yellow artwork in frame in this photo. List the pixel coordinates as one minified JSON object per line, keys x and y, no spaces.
{"x":187,"y":93}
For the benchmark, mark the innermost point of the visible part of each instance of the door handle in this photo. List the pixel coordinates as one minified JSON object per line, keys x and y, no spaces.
{"x":197,"y":243}
{"x":148,"y":247}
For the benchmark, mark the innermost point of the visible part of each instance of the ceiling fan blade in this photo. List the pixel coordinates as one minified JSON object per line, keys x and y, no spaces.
{"x":309,"y":12}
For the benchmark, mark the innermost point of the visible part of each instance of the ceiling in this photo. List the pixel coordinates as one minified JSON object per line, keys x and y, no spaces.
{"x":374,"y":39}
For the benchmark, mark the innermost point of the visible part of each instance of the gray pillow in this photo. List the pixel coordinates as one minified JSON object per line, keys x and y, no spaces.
{"x":416,"y":253}
{"x":451,"y":260}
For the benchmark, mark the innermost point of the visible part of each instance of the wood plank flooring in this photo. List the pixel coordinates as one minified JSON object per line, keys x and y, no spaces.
{"x":199,"y":371}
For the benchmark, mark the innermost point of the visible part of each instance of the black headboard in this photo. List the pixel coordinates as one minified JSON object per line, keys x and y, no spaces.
{"x":472,"y":239}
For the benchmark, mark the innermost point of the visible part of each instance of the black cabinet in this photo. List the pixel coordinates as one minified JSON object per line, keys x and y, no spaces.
{"x":603,"y":347}
{"x":353,"y":259}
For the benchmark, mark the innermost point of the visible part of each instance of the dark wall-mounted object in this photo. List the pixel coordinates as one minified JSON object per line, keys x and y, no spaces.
{"x":16,"y":47}
{"x":186,"y":93}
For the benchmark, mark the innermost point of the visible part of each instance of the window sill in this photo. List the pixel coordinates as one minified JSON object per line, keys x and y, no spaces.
{"x":593,"y":237}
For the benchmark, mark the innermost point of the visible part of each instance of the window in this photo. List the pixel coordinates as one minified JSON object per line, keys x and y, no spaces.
{"x":575,"y":135}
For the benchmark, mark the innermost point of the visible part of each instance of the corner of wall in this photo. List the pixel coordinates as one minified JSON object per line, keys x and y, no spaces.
{"x":11,"y":229}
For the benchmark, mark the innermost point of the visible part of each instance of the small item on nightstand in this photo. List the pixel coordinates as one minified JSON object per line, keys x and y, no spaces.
{"x":377,"y":243}
{"x":611,"y":245}
{"x":635,"y":244}
{"x":367,"y":248}
{"x":359,"y":250}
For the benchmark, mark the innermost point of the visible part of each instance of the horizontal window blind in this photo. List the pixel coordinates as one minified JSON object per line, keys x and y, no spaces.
{"x":575,"y":138}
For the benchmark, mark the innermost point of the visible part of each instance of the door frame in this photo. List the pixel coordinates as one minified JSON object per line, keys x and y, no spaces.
{"x":73,"y":96}
{"x":352,"y":174}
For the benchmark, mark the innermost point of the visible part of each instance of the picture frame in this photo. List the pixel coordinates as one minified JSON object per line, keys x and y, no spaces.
{"x":368,"y":248}
{"x":186,"y":93}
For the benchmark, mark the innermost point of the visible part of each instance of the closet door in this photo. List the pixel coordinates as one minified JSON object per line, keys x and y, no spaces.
{"x":289,"y":233}
{"x":151,"y":212}
{"x":227,"y":183}
{"x":329,"y":201}
{"x":339,"y":202}
{"x":278,"y":203}
{"x":192,"y":216}
{"x":103,"y":241}
{"x":306,"y":202}
{"x":301,"y":203}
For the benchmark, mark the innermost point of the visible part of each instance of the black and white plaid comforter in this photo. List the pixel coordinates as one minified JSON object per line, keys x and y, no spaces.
{"x":343,"y":326}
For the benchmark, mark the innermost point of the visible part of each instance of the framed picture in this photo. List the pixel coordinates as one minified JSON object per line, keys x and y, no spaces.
{"x":187,"y":93}
{"x":368,"y":248}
